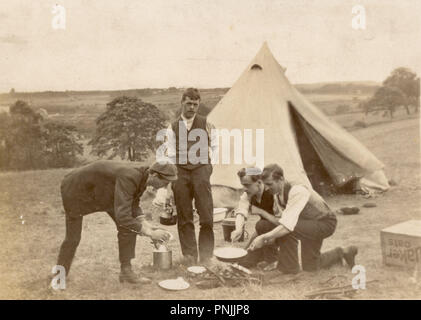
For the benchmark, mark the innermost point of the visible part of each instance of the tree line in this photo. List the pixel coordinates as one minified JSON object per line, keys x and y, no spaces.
{"x":400,"y":89}
{"x":29,"y":140}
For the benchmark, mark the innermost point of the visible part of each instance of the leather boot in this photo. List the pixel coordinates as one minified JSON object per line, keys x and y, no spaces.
{"x":349,"y":255}
{"x":331,"y":257}
{"x":127,"y":275}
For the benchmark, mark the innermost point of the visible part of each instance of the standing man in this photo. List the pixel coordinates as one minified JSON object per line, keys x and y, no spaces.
{"x":305,"y":216}
{"x":190,"y":138}
{"x":113,"y":187}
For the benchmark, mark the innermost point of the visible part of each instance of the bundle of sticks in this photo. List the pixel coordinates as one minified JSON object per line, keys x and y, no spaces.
{"x":231,"y":275}
{"x":335,"y":291}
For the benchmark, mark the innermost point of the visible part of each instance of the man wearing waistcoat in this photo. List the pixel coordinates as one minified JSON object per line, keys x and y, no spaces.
{"x":194,"y":167}
{"x":304,"y":216}
{"x":255,"y":197}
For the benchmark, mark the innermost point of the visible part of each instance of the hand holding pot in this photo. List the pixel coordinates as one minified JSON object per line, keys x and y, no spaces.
{"x":160,"y":235}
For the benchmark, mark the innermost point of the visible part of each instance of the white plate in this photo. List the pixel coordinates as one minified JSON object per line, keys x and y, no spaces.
{"x":196,"y":269}
{"x":230,"y":253}
{"x":174,"y":284}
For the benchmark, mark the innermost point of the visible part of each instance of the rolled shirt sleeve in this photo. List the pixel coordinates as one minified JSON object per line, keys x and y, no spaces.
{"x":243,"y":207}
{"x":297,"y":200}
{"x":125,"y":204}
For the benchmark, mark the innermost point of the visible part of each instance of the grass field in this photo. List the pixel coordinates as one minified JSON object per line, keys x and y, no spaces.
{"x":29,"y":250}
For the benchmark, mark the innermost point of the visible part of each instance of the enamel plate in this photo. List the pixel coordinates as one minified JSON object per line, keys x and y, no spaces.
{"x":230,"y":253}
{"x":174,"y":284}
{"x":196,"y":269}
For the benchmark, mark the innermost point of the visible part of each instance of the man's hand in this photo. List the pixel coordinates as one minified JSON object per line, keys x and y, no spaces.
{"x":160,"y":235}
{"x":257,"y":243}
{"x":255,"y":210}
{"x":236,"y":235}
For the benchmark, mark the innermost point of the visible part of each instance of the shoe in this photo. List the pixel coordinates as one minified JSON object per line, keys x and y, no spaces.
{"x":271,"y":266}
{"x":328,"y":259}
{"x":127,"y":275}
{"x":262,"y":265}
{"x":349,"y":255}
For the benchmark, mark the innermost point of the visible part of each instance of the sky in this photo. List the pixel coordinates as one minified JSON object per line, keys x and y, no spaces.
{"x":108,"y":44}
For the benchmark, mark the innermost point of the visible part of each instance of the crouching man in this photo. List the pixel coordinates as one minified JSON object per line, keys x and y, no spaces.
{"x":254,"y":199}
{"x":113,"y":187}
{"x":304,"y":216}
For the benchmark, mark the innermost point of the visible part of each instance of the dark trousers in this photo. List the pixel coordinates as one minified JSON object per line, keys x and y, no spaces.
{"x":194,"y":184}
{"x":311,"y":233}
{"x":268,"y":253}
{"x":126,"y":242}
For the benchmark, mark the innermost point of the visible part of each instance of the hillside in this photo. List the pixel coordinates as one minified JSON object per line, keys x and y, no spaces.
{"x":81,"y":108}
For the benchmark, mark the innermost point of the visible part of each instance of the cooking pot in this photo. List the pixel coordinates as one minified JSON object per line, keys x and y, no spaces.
{"x":162,"y":259}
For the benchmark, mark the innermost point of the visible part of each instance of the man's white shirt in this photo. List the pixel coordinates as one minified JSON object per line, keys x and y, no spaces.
{"x":297,"y":200}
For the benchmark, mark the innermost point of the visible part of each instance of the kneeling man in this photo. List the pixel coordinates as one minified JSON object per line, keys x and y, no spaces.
{"x":304,"y":216}
{"x":113,"y":187}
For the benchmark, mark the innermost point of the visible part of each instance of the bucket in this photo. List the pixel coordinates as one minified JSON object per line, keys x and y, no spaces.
{"x":228,"y":226}
{"x":162,"y":260}
{"x":219,"y":214}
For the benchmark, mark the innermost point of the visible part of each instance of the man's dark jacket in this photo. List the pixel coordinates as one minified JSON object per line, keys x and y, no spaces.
{"x":105,"y":185}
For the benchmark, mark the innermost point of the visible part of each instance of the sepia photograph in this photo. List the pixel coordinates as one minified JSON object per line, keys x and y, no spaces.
{"x":210,"y":150}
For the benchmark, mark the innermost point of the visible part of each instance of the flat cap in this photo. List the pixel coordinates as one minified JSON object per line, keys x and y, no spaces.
{"x":166,"y":170}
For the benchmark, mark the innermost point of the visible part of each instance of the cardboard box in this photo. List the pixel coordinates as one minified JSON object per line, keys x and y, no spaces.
{"x":401,"y":244}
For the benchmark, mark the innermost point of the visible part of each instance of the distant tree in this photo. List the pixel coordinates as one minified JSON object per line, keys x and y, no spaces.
{"x":61,"y":145}
{"x":27,"y":142}
{"x":388,"y":98}
{"x":365,"y":106}
{"x":127,"y":129}
{"x":4,"y":129}
{"x":22,"y":110}
{"x":408,"y":82}
{"x":12,"y":91}
{"x":23,"y":140}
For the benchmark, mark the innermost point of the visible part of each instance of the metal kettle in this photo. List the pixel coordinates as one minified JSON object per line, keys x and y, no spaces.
{"x":167,"y":217}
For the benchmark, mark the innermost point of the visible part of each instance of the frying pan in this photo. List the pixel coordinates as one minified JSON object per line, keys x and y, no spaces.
{"x":229,"y":254}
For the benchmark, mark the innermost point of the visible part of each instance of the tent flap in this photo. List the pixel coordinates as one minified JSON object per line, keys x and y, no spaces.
{"x":340,"y":168}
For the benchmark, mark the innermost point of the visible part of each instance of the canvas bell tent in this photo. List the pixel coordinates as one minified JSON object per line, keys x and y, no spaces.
{"x":311,"y":148}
